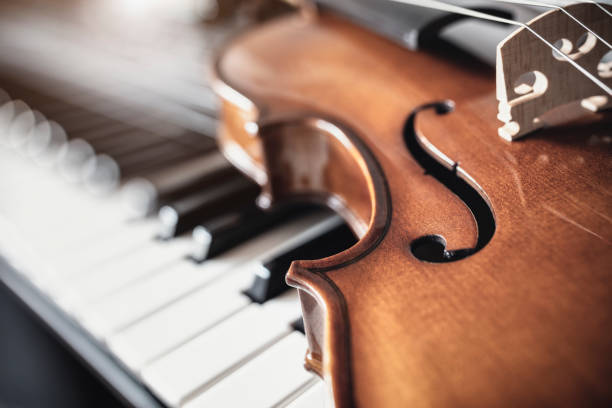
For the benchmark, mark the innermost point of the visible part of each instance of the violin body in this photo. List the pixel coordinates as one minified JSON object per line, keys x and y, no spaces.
{"x":483,"y":271}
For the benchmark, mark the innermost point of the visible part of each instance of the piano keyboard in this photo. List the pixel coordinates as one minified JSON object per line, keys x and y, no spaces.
{"x":186,"y":329}
{"x":119,"y":213}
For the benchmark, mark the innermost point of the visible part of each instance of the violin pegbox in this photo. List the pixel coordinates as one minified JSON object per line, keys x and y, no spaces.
{"x":536,"y":86}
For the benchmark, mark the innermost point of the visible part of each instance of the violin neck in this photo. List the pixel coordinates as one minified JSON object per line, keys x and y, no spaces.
{"x":417,"y":27}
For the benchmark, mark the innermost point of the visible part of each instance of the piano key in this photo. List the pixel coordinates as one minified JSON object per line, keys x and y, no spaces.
{"x":134,"y":139}
{"x":169,"y":327}
{"x":107,"y":248}
{"x":242,"y":336}
{"x":102,"y":131}
{"x":127,"y":306}
{"x":59,"y":264}
{"x":122,"y":143}
{"x":21,"y":128}
{"x":72,"y":157}
{"x":225,"y":232}
{"x":269,"y":281}
{"x":176,"y":323}
{"x":79,"y":120}
{"x":64,"y":208}
{"x":314,"y":396}
{"x":4,"y":97}
{"x":45,"y":143}
{"x":146,"y":194}
{"x":94,"y":284}
{"x":44,"y":102}
{"x":263,"y":382}
{"x":67,"y":224}
{"x":101,"y":174}
{"x":154,"y":158}
{"x":8,"y":113}
{"x":184,"y":214}
{"x":205,"y":142}
{"x":298,"y":325}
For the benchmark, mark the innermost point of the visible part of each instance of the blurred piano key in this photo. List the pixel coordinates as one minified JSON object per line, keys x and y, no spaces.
{"x":144,"y":195}
{"x":93,"y":284}
{"x":184,"y":214}
{"x":266,"y":381}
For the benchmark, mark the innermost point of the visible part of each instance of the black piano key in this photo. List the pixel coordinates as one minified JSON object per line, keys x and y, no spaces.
{"x":4,"y":96}
{"x":220,"y":234}
{"x":154,"y":159}
{"x":102,"y":131}
{"x":299,"y":325}
{"x":269,"y":280}
{"x":78,"y":119}
{"x":123,"y":143}
{"x":161,"y":151}
{"x":184,"y":214}
{"x":146,"y":194}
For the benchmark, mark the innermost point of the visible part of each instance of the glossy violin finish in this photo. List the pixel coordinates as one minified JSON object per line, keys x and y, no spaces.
{"x":482,"y":274}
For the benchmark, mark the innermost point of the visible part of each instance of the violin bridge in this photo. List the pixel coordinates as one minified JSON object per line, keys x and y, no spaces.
{"x":537,"y":86}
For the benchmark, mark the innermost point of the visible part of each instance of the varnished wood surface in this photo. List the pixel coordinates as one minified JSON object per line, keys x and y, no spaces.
{"x":523,"y":322}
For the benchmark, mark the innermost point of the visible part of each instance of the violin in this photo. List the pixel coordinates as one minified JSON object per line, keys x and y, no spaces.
{"x":481,"y":198}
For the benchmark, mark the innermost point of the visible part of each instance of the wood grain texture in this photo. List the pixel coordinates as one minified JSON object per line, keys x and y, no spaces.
{"x":316,"y":111}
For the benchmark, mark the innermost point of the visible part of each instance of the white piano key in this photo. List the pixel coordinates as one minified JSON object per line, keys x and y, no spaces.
{"x":55,"y":197}
{"x":109,"y":247}
{"x":59,"y":219}
{"x":263,"y":382}
{"x":159,"y":333}
{"x":104,"y":280}
{"x":132,"y":303}
{"x":177,"y":374}
{"x":314,"y":396}
{"x":106,"y":317}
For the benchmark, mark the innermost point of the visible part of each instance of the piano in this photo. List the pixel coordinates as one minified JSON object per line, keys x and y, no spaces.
{"x":108,"y":163}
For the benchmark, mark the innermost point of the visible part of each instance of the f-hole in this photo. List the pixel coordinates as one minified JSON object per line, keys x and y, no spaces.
{"x":432,"y":247}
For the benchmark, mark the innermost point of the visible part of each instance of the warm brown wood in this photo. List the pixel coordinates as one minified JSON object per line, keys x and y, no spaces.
{"x":316,"y":111}
{"x":554,"y":83}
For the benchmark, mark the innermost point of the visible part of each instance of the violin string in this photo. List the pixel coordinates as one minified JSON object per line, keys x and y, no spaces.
{"x":559,"y":8}
{"x":439,"y":5}
{"x":602,"y":8}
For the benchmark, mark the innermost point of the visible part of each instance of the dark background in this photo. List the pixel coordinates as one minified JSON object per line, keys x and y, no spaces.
{"x":36,"y":370}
